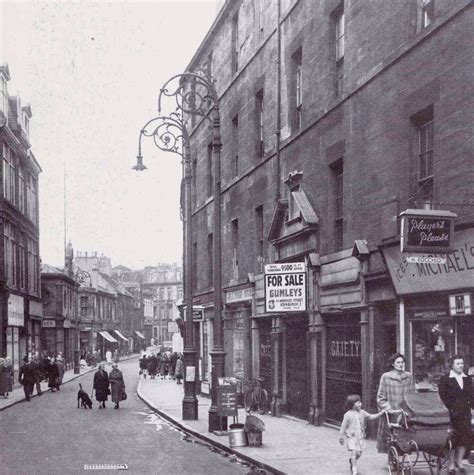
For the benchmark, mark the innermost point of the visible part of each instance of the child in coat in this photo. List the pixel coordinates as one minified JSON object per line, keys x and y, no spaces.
{"x":353,"y":428}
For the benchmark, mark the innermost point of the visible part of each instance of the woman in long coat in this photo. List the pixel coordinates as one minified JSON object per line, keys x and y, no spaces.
{"x":455,"y":390}
{"x":8,"y":375}
{"x":3,"y":386}
{"x":53,"y":376}
{"x":117,"y":385}
{"x":101,"y":386}
{"x":394,"y":384}
{"x":60,"y":365}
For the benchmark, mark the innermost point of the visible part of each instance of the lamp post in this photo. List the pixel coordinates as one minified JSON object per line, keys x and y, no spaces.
{"x":80,"y":277}
{"x":170,"y":135}
{"x":195,"y":95}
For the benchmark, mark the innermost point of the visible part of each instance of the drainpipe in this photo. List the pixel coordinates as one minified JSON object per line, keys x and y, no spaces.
{"x":278,"y":115}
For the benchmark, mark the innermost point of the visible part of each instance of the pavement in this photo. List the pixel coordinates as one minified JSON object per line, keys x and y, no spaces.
{"x":289,"y":445}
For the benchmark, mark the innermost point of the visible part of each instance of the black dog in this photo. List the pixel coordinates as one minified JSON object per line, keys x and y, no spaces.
{"x":84,"y":398}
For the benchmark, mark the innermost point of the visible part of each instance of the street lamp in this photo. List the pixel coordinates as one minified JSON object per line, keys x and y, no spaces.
{"x":170,"y":135}
{"x":195,"y":95}
{"x":80,"y":277}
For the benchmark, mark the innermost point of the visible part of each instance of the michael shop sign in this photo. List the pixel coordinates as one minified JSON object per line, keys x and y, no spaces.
{"x":285,"y":287}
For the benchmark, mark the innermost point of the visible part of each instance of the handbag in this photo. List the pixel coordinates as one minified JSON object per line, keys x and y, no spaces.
{"x":124,"y":395}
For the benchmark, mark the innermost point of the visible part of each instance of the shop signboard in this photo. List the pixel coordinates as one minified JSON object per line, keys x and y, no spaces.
{"x":227,"y":400}
{"x":48,"y":323}
{"x":198,"y":314}
{"x":457,"y":273}
{"x":427,"y":231}
{"x":240,"y":295}
{"x":285,"y":287}
{"x":16,"y":311}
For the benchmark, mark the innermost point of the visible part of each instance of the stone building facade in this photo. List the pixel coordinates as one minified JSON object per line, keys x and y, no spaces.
{"x":335,"y":117}
{"x":21,"y":309}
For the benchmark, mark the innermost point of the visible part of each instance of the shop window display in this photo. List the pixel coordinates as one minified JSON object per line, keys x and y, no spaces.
{"x":433,"y":344}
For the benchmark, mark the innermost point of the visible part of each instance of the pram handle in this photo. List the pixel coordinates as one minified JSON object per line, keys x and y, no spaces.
{"x":401,"y":420}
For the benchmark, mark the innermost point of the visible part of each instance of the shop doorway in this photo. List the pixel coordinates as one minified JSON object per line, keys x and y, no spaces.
{"x":297,"y":373}
{"x":343,"y":363}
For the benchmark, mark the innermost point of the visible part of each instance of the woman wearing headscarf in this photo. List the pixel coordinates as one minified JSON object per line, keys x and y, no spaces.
{"x":101,"y":386}
{"x":394,"y":384}
{"x":117,"y":385}
{"x":456,"y":392}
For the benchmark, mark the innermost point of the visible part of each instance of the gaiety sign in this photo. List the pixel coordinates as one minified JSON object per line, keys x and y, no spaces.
{"x":285,"y":287}
{"x":426,"y":231}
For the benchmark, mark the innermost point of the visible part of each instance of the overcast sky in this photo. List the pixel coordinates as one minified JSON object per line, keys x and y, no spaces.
{"x":91,"y":72}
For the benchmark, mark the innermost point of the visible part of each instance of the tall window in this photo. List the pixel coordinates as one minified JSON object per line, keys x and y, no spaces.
{"x":210,"y":259}
{"x":338,"y":180}
{"x":9,"y":174}
{"x":22,"y":261}
{"x":259,"y":237}
{"x":83,"y":305}
{"x":235,"y":144}
{"x":260,"y":129}
{"x":427,"y":13}
{"x":21,"y":189}
{"x":33,"y":266}
{"x":339,"y":27}
{"x":235,"y":248}
{"x":298,"y":88}
{"x":210,"y":171}
{"x":235,"y":43}
{"x":10,"y":254}
{"x":31,"y":206}
{"x":425,"y":164}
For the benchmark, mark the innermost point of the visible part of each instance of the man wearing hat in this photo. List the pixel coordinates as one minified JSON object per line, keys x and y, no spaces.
{"x":27,"y":377}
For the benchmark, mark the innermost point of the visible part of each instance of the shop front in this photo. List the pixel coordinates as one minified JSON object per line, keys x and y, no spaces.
{"x":237,"y":333}
{"x":435,"y":309}
{"x":35,"y":316}
{"x":16,"y":332}
{"x":346,"y":332}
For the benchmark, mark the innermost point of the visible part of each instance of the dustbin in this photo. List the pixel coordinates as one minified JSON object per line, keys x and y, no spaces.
{"x":237,"y":436}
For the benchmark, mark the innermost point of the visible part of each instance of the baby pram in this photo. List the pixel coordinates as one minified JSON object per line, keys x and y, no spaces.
{"x":421,"y":427}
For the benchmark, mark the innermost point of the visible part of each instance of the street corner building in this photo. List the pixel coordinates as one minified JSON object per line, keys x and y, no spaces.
{"x":336,"y":117}
{"x":21,"y":308}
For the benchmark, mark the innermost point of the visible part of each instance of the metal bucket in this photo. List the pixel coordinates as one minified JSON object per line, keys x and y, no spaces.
{"x":237,"y":437}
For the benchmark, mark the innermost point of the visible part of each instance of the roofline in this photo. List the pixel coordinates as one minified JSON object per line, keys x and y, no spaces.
{"x":209,"y":33}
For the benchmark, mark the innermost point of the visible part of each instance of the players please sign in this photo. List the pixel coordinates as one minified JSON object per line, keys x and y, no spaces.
{"x":285,"y":287}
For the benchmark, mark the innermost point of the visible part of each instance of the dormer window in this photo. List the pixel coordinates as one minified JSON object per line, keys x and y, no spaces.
{"x":4,"y":98}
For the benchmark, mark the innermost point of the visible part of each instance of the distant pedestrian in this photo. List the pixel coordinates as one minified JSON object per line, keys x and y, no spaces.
{"x":53,"y":377}
{"x":101,"y":386}
{"x":26,"y":378}
{"x":108,"y":357}
{"x":6,"y":378}
{"x":37,"y":367}
{"x":353,"y":428}
{"x":60,"y":364}
{"x":116,"y":355}
{"x":152,"y":365}
{"x":117,"y":385}
{"x":179,"y":369}
{"x":143,"y":364}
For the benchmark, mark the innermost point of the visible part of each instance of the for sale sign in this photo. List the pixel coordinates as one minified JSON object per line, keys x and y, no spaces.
{"x":285,"y":287}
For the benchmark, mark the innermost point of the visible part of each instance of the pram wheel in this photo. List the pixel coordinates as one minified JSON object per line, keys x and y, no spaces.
{"x":407,"y":465}
{"x":393,"y":461}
